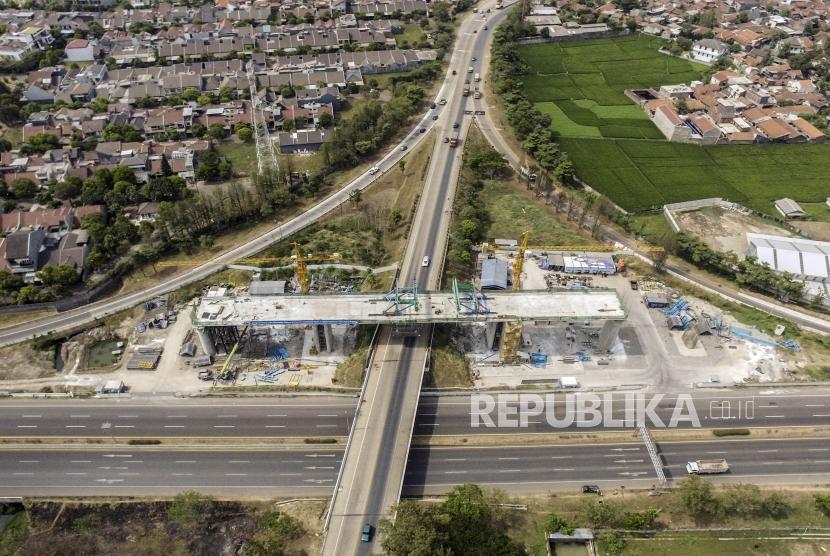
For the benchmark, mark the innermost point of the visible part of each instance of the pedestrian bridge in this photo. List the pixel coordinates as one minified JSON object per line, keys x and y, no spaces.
{"x":409,"y":306}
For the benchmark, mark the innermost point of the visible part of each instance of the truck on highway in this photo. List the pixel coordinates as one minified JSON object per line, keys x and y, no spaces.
{"x":477,"y":78}
{"x":466,"y":91}
{"x":455,"y":139}
{"x":707,"y":467}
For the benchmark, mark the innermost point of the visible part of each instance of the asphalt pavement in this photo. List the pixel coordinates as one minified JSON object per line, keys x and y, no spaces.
{"x":96,"y":470}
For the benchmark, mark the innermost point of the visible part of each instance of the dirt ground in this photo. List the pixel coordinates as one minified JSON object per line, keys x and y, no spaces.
{"x":22,"y":362}
{"x":819,"y":231}
{"x":725,"y":230}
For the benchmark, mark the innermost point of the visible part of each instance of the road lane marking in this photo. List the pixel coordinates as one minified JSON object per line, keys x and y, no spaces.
{"x":326,"y":426}
{"x":224,"y":426}
{"x":278,"y":415}
{"x":27,"y":426}
{"x":509,"y":470}
{"x":821,"y":415}
{"x":29,"y":461}
{"x":185,"y":461}
{"x":717,"y":452}
{"x":772,"y":463}
{"x":79,"y":416}
{"x":75,"y":426}
{"x":818,"y":449}
{"x":327,"y":415}
{"x":226,"y":416}
{"x":81,"y":461}
{"x":124,"y":426}
{"x":173,"y":426}
{"x":561,"y":457}
{"x":456,"y":459}
{"x":813,"y":405}
{"x":453,"y":472}
{"x":236,"y":474}
{"x":182,"y":474}
{"x":767,"y":451}
{"x":22,"y":473}
{"x":822,"y":461}
{"x":508,"y":459}
{"x":290,"y":474}
{"x":274,"y":426}
{"x":32,"y":416}
{"x":177,"y":416}
{"x":564,"y":469}
{"x":239,"y":461}
{"x":775,"y":416}
{"x":128,"y":416}
{"x":75,"y":473}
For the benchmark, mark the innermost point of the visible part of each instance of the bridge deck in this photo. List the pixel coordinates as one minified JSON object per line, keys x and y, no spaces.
{"x":432,"y":307}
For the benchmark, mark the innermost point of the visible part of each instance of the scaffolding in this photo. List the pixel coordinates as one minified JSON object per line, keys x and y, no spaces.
{"x":266,"y":158}
{"x":401,"y":300}
{"x":518,"y":263}
{"x":469,"y":300}
{"x":511,"y":337}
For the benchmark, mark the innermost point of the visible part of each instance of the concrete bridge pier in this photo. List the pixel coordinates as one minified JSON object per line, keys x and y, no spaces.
{"x":207,"y":342}
{"x":491,"y":330}
{"x":322,"y":338}
{"x":608,"y":334}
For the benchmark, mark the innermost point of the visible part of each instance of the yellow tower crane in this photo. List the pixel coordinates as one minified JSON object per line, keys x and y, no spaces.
{"x":518,"y":263}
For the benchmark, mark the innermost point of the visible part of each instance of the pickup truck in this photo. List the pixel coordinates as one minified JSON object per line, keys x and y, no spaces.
{"x":466,"y":91}
{"x":707,"y":467}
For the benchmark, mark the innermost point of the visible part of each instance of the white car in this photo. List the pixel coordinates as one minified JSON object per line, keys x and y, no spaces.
{"x":374,"y":170}
{"x":442,"y":102}
{"x":425,"y":262}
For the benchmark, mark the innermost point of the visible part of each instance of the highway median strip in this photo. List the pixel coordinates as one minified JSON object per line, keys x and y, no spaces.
{"x":9,"y":442}
{"x":606,"y":436}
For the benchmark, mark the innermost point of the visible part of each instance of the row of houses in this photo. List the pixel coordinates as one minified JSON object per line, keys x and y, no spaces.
{"x":756,"y":106}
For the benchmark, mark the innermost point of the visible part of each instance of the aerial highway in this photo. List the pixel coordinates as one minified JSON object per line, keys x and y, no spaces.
{"x":311,"y":471}
{"x":332,"y":416}
{"x":373,"y":468}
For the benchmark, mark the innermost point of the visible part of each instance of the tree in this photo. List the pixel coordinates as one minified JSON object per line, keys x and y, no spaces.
{"x":58,"y":275}
{"x":10,"y":283}
{"x":355,"y":196}
{"x":23,"y":188}
{"x":216,"y":131}
{"x":402,"y":165}
{"x":244,"y":133}
{"x":286,"y":92}
{"x":557,"y":524}
{"x":698,"y":498}
{"x":326,"y":120}
{"x":188,"y":507}
{"x":274,"y":531}
{"x":27,"y":294}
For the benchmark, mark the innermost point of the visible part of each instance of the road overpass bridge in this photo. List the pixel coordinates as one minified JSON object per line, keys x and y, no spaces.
{"x":407,"y":306}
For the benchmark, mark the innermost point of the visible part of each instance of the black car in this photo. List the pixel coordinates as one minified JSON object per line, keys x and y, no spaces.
{"x":423,"y":130}
{"x":433,"y":105}
{"x":435,"y":117}
{"x":366,"y":533}
{"x":591,"y":489}
{"x":455,"y":125}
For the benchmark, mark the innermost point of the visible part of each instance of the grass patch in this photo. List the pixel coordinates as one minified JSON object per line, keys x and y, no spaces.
{"x":652,"y":227}
{"x":14,"y":534}
{"x":350,"y":372}
{"x":448,"y":367}
{"x":718,"y":544}
{"x":242,"y":156}
{"x":818,"y":212}
{"x":412,"y":34}
{"x":731,"y":432}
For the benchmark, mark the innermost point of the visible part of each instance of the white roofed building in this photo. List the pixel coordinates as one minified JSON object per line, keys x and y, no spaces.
{"x":805,"y":259}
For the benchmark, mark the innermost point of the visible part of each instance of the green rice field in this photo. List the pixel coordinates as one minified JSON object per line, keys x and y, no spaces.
{"x":619,"y":152}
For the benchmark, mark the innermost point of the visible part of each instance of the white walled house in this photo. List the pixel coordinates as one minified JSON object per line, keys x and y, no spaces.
{"x":81,"y":50}
{"x":708,"y":50}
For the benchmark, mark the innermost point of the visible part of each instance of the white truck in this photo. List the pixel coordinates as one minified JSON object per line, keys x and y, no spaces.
{"x":477,"y":77}
{"x":707,"y":467}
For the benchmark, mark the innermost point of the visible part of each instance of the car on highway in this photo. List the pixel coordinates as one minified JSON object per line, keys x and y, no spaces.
{"x":485,"y":27}
{"x":433,"y":105}
{"x":474,"y":58}
{"x":446,"y":139}
{"x":442,"y":102}
{"x":591,"y":489}
{"x":403,"y":147}
{"x":455,"y":125}
{"x":366,"y":533}
{"x":423,"y":130}
{"x":374,"y":170}
{"x":425,"y":262}
{"x":454,"y":72}
{"x":435,"y":117}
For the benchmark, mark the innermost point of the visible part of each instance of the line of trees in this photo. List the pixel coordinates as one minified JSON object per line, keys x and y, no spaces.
{"x":747,"y":273}
{"x":527,"y":122}
{"x":481,"y":162}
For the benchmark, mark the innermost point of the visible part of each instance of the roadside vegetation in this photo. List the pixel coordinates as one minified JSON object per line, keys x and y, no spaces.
{"x":448,"y":366}
{"x":190,"y":523}
{"x":469,"y":514}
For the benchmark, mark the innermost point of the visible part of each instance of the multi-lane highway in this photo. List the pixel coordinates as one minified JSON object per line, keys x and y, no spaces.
{"x":313,"y":470}
{"x":332,"y":416}
{"x":205,"y":417}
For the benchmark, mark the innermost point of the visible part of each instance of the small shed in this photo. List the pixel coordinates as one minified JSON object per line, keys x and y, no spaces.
{"x":188,"y":349}
{"x":568,"y":382}
{"x":656,"y":299}
{"x":789,"y":208}
{"x":494,"y":274}
{"x":202,"y":361}
{"x":111,"y":387}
